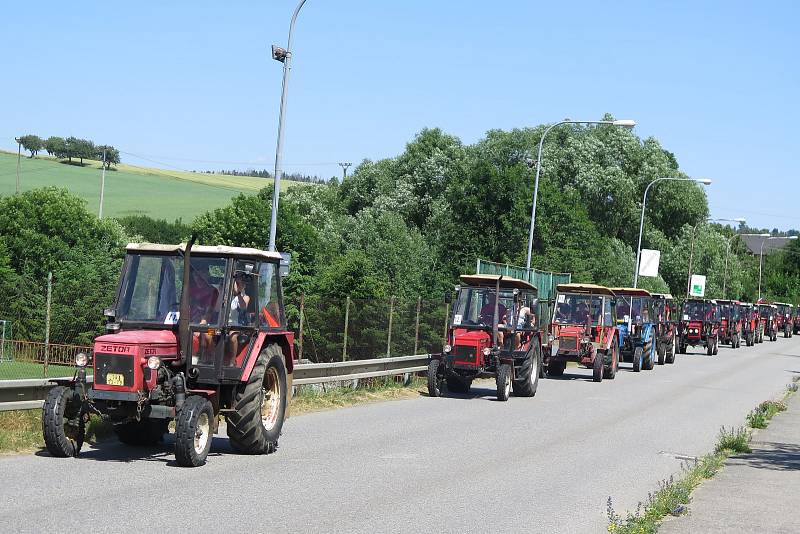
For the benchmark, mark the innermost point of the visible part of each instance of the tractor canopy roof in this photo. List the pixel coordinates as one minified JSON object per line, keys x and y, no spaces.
{"x":728,"y":302}
{"x":490,"y":280}
{"x":210,"y":250}
{"x":631,"y":291}
{"x":697,"y":299}
{"x":665,"y":296}
{"x":782,"y":303}
{"x":587,"y":289}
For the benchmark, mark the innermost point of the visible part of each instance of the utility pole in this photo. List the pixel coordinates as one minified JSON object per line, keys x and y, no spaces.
{"x":102,"y":186}
{"x":19,"y":153}
{"x":344,"y":167}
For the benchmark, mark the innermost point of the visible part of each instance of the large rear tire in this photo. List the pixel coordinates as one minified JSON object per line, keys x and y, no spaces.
{"x":650,"y":354}
{"x":260,"y":405}
{"x":194,"y":430}
{"x":662,"y":353}
{"x":503,"y":381}
{"x":528,"y":379}
{"x":637,"y":359}
{"x":142,"y":433}
{"x":62,"y":428}
{"x":671,"y":349}
{"x":597,"y":367}
{"x":610,"y":369}
{"x":435,"y":381}
{"x":716,"y":346}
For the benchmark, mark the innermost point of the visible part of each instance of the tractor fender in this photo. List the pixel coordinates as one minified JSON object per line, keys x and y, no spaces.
{"x":284,"y":339}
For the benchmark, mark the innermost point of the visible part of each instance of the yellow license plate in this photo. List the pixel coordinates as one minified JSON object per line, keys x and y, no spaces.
{"x":115,"y":379}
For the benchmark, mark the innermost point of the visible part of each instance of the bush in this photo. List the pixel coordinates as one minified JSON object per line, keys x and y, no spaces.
{"x":759,"y":418}
{"x":734,"y":441}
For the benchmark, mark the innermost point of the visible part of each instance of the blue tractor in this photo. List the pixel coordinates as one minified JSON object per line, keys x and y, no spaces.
{"x":636,"y":324}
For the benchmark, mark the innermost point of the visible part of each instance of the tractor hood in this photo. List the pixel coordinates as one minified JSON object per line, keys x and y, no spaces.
{"x":139,"y":337}
{"x":470,"y":337}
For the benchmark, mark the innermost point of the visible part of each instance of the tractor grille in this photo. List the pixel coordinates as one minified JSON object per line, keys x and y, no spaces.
{"x":113,"y":363}
{"x":568,"y":343}
{"x":464,"y":353}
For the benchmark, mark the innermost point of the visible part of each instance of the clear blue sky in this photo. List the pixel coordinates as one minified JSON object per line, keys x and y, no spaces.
{"x":716,"y":82}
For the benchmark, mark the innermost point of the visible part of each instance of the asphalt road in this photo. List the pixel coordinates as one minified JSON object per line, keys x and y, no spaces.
{"x":467,"y":464}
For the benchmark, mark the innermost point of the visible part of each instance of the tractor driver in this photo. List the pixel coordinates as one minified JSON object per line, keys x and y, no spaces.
{"x":582,"y":315}
{"x":203,"y":298}
{"x":487,"y":315}
{"x":240,"y":303}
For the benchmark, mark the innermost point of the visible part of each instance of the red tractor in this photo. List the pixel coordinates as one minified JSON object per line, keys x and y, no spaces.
{"x":699,"y":325}
{"x":769,"y":320}
{"x":749,"y":323}
{"x":796,"y":320}
{"x":666,"y":312}
{"x":784,"y":318}
{"x":195,"y":333}
{"x":493,"y":333}
{"x":584,"y":330}
{"x":730,"y":327}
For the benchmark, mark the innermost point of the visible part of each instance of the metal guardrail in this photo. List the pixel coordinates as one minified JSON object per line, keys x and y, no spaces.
{"x":30,"y":393}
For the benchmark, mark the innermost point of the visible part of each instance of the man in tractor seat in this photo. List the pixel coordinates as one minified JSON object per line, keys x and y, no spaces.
{"x":203,"y":297}
{"x":582,"y":315}
{"x":239,"y":316}
{"x":487,"y":316}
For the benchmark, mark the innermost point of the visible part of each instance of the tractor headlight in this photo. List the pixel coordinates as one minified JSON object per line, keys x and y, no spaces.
{"x":447,"y":349}
{"x":81,"y":359}
{"x":487,"y":351}
{"x":153,"y":362}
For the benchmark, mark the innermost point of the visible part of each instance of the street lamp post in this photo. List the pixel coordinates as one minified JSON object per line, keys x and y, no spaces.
{"x":704,"y":181}
{"x":761,"y":256}
{"x":285,"y":57}
{"x":691,"y":250}
{"x":625,"y":123}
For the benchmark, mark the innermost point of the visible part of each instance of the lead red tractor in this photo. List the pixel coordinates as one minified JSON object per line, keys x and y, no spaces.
{"x":584,"y":330}
{"x":768,"y":318}
{"x":796,"y":320}
{"x":730,"y":328}
{"x":195,"y":334}
{"x":493,"y":333}
{"x":784,"y":318}
{"x":699,"y":325}
{"x":749,"y":323}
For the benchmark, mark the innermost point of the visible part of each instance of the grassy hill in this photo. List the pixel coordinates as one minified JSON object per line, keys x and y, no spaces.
{"x":130,"y":190}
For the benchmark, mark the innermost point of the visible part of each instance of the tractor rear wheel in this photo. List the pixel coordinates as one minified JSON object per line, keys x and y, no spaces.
{"x":650,"y":355}
{"x":662,"y":353}
{"x":62,"y":427}
{"x":194,"y":430}
{"x":435,"y":381}
{"x":142,"y":433}
{"x":597,"y":367}
{"x":716,"y":346}
{"x":528,"y":378}
{"x":456,"y":384}
{"x":671,"y":349}
{"x":785,"y":331}
{"x":503,"y":381}
{"x":260,"y":405}
{"x":555,"y":368}
{"x":610,"y":369}
{"x":637,"y":359}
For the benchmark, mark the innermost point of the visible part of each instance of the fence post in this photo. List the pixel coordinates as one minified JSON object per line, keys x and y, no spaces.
{"x":346,"y":320}
{"x":47,"y":322}
{"x":416,"y":326}
{"x":389,"y":335}
{"x":300,"y":333}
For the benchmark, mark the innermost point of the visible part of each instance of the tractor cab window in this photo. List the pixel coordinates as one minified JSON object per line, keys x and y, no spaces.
{"x":578,"y":309}
{"x":608,"y":316}
{"x":475,"y":307}
{"x":244,"y":289}
{"x":526,"y":312}
{"x":765,"y":312}
{"x":269,"y":299}
{"x":206,"y":283}
{"x":694,"y":311}
{"x":151,"y":289}
{"x":637,"y":309}
{"x":725,"y":310}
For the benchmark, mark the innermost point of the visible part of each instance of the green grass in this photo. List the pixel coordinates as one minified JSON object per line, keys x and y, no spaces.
{"x":759,"y":418}
{"x":21,"y":430}
{"x":312,"y":399}
{"x":17,"y":370}
{"x":131,"y":190}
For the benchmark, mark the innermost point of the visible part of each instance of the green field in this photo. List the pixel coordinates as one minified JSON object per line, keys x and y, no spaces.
{"x":18,"y":370}
{"x":130,"y":190}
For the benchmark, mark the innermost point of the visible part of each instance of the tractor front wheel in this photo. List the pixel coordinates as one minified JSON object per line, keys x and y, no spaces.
{"x":597,"y":368}
{"x":194,"y":429}
{"x":435,"y":381}
{"x":142,"y":433}
{"x":62,"y":426}
{"x":503,"y":381}
{"x":528,"y":378}
{"x":260,"y":405}
{"x":637,"y":359}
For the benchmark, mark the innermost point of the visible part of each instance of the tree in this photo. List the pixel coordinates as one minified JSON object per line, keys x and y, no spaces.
{"x":111,"y":155}
{"x":31,"y":143}
{"x":144,"y":228}
{"x":56,"y":146}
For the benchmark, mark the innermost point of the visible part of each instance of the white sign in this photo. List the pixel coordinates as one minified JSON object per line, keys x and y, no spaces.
{"x":697,"y":287}
{"x":648,"y":263}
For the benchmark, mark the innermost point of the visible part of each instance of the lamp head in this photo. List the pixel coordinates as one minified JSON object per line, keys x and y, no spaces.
{"x":704,"y":181}
{"x":625,"y":123}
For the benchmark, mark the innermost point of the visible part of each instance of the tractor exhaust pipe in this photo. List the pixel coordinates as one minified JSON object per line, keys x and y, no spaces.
{"x":183,"y":322}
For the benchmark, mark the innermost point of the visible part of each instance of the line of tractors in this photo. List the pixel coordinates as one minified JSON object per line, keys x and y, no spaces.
{"x":496,"y":331}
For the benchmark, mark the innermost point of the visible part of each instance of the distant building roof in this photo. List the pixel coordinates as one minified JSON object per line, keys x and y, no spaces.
{"x":753,"y":243}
